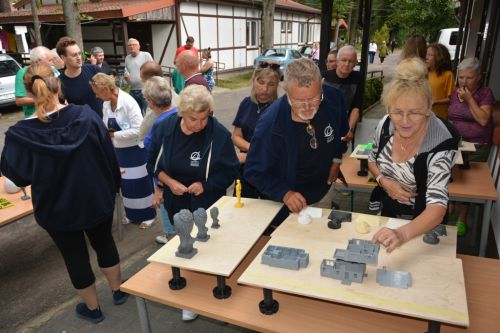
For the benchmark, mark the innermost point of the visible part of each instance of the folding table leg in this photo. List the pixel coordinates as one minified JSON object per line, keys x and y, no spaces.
{"x":143,"y":314}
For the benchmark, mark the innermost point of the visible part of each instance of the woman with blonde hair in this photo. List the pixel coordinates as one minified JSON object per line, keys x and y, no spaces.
{"x":67,"y":157}
{"x":122,"y":115}
{"x":193,"y":157}
{"x":413,"y":153}
{"x":265,"y":81}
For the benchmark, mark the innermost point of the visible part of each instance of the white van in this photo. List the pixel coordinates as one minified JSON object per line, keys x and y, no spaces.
{"x":449,"y":38}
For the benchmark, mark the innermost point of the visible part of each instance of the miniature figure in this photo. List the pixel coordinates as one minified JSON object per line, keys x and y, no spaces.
{"x":200,"y":219}
{"x":214,"y":214}
{"x":183,"y":222}
{"x":238,"y":203}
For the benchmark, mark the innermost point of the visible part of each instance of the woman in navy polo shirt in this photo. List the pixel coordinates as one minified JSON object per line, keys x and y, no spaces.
{"x":265,"y":82}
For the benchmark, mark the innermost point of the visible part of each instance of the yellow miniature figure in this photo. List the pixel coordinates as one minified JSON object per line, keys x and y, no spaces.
{"x":238,"y":203}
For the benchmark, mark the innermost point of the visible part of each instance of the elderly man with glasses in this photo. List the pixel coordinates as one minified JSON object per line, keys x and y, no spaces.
{"x":296,"y":149}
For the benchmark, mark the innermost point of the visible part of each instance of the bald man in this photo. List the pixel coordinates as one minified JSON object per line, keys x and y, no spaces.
{"x":188,"y":65}
{"x":133,"y":62}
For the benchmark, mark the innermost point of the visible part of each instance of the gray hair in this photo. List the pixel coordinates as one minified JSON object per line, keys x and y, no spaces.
{"x":303,"y":71}
{"x":347,"y":49}
{"x":470,"y":63}
{"x":157,"y":90}
{"x":195,"y":98}
{"x":38,"y":53}
{"x":96,"y":50}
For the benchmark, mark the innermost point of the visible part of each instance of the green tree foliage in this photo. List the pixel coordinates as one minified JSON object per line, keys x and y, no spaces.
{"x":424,"y":17}
{"x":341,"y":8}
{"x":381,"y":34}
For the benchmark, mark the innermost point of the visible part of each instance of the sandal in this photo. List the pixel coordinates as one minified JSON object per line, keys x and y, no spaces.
{"x":146,"y":224}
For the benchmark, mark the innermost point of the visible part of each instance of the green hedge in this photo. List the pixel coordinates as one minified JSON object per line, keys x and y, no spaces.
{"x":373,"y":91}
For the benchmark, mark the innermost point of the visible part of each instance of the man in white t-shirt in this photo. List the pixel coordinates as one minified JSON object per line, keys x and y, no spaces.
{"x":372,"y":50}
{"x":133,"y":62}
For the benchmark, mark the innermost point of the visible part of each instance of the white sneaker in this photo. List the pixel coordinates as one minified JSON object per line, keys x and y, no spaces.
{"x":188,"y":315}
{"x":162,"y":239}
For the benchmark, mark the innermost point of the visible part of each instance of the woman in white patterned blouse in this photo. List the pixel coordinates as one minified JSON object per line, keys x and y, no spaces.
{"x":413,"y":153}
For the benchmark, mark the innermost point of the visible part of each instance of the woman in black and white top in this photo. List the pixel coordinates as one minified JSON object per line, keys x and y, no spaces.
{"x":412,"y":157}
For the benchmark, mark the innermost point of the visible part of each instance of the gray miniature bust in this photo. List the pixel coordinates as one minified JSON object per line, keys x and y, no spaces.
{"x":214,"y":214}
{"x":200,"y":219}
{"x":183,"y":222}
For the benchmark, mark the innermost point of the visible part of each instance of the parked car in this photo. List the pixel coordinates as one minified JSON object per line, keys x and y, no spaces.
{"x":305,"y":50}
{"x":449,"y":38}
{"x":282,"y":56}
{"x":8,"y":70}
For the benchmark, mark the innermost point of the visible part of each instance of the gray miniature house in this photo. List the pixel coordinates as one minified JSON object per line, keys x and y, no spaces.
{"x":285,"y":257}
{"x":342,"y":270}
{"x":360,"y":251}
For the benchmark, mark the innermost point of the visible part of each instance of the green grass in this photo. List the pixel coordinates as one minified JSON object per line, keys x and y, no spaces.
{"x":235,"y":81}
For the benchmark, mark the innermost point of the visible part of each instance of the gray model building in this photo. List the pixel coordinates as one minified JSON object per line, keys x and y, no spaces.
{"x":350,"y":264}
{"x":359,"y":250}
{"x":394,"y":279}
{"x":342,"y":270}
{"x":285,"y":257}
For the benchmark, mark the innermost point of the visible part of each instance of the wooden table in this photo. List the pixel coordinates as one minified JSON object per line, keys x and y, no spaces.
{"x":20,"y":209}
{"x":303,"y":314}
{"x":239,"y":229}
{"x":437,"y":293}
{"x":474,"y":185}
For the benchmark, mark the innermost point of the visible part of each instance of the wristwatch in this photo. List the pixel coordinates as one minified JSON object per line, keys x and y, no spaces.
{"x":159,"y":185}
{"x":337,"y":160}
{"x":351,"y":129}
{"x":378,"y":178}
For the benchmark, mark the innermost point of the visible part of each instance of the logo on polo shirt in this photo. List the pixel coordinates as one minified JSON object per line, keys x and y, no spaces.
{"x":329,"y":136}
{"x":195,"y":159}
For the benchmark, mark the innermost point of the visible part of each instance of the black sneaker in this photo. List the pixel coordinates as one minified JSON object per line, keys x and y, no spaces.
{"x":119,"y":297}
{"x":94,"y":316}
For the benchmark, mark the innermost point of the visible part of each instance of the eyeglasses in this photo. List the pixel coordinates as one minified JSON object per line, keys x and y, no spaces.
{"x":411,"y":115}
{"x":313,"y":143}
{"x":271,"y":65}
{"x":305,"y":105}
{"x":76,"y":54}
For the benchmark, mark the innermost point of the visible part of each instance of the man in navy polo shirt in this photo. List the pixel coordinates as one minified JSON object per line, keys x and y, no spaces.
{"x":77,"y":75}
{"x":296,"y":151}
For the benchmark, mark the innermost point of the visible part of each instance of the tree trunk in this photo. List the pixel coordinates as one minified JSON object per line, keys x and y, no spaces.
{"x":267,"y":32}
{"x":72,"y":20}
{"x":36,"y":23}
{"x":5,"y":6}
{"x":353,"y":23}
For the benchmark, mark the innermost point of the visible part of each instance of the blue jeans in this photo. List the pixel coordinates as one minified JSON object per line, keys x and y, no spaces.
{"x":168,"y":228}
{"x":139,"y":98}
{"x":372,"y":57}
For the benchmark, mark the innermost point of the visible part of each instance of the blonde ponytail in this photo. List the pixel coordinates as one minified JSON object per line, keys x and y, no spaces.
{"x":43,"y":85}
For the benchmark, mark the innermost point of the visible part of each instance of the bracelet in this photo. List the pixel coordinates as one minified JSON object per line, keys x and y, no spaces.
{"x":379,"y":177}
{"x":337,"y":160}
{"x":159,"y":185}
{"x":351,"y":129}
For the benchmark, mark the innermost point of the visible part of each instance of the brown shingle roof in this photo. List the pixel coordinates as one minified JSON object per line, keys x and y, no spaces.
{"x":97,"y":10}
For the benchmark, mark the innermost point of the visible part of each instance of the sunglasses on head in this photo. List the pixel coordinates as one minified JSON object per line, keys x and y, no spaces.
{"x":271,"y":65}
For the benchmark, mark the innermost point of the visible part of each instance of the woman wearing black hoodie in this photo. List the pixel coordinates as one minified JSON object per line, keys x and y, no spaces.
{"x":66,"y":155}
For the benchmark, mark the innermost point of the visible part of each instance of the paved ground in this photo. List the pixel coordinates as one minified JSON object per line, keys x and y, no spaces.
{"x":36,"y":295}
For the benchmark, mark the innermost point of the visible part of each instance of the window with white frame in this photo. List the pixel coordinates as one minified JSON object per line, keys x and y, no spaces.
{"x":283,"y":26}
{"x":289,"y":27}
{"x":302,"y":33}
{"x":251,"y":33}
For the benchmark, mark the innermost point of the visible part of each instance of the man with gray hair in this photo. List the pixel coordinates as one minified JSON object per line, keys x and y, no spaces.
{"x":296,"y":149}
{"x":97,"y":58}
{"x":133,"y":62}
{"x":38,"y":55}
{"x":350,"y":83}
